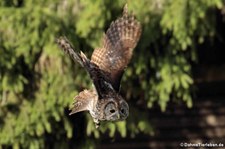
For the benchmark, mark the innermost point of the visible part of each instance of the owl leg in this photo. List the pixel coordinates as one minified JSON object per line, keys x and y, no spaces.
{"x":97,"y":123}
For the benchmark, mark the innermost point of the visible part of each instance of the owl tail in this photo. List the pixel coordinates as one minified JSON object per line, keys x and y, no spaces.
{"x":83,"y":101}
{"x":81,"y":58}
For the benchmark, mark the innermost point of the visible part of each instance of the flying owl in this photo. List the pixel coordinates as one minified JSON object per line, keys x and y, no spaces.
{"x":106,"y":67}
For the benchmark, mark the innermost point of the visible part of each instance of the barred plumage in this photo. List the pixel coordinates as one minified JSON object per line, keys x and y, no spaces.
{"x":106,"y":68}
{"x":67,"y":47}
{"x":117,"y":46}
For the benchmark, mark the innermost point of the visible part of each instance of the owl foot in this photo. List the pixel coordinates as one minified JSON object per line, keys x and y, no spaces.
{"x":97,"y":123}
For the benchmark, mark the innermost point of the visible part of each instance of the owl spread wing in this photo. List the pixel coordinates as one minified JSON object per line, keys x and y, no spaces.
{"x":118,"y":44}
{"x":99,"y":78}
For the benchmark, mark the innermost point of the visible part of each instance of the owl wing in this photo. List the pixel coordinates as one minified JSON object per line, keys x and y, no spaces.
{"x":117,"y":47}
{"x":99,"y":78}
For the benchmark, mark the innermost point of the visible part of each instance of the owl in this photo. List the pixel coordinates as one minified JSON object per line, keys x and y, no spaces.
{"x":105,"y":68}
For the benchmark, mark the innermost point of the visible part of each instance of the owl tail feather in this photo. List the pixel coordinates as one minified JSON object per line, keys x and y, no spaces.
{"x":67,"y":47}
{"x":83,"y":101}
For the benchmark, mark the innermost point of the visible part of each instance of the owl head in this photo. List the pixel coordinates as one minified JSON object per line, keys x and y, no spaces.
{"x":115,"y":109}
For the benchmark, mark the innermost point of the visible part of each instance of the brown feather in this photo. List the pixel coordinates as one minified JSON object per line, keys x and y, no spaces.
{"x":118,"y":44}
{"x":83,"y":101}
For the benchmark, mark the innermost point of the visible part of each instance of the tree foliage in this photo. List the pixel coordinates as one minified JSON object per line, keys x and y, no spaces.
{"x":38,"y":82}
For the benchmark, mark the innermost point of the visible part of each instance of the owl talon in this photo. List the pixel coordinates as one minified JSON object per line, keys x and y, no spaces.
{"x":97,"y":125}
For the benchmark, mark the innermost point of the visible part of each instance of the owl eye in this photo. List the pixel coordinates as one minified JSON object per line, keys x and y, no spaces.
{"x":112,"y":111}
{"x":122,"y":111}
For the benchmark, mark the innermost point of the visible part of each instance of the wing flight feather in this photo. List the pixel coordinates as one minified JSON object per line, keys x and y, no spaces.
{"x":117,"y":47}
